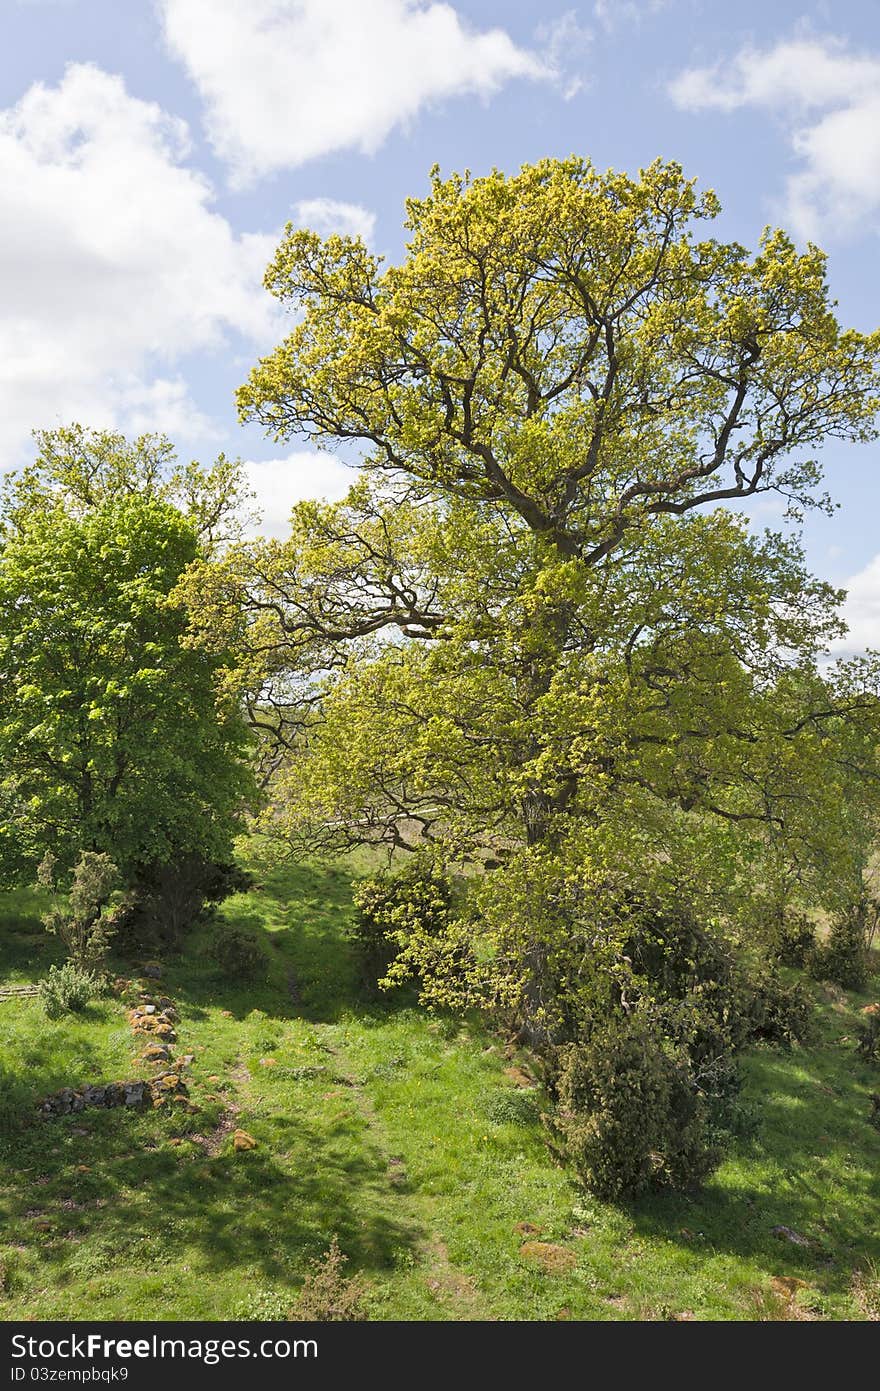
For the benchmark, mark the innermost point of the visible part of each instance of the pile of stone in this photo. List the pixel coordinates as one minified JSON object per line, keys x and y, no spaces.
{"x":152,"y":1022}
{"x":107,"y":1094}
{"x":154,"y":1017}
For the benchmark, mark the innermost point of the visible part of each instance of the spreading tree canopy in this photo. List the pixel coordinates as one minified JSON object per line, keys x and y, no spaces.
{"x":536,"y":634}
{"x":111,"y":740}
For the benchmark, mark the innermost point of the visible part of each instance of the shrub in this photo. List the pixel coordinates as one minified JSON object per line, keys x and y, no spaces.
{"x":843,"y":958}
{"x":776,"y":1012}
{"x":66,"y":990}
{"x":328,"y":1295}
{"x":86,"y":924}
{"x":793,"y":941}
{"x":645,"y":1064}
{"x":712,"y":998}
{"x":391,"y":909}
{"x":167,"y":900}
{"x":239,"y":954}
{"x":629,"y":1115}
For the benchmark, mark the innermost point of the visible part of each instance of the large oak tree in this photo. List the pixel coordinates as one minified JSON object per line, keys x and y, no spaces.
{"x":536,"y":633}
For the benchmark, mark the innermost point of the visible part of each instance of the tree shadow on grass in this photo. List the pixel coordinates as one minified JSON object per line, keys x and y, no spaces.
{"x":26,"y":949}
{"x":98,"y":1197}
{"x":812,"y":1173}
{"x":313,"y":969}
{"x":41,"y":1061}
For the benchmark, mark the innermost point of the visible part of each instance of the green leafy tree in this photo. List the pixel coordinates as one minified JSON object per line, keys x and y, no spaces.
{"x":85,"y":921}
{"x":535,"y":635}
{"x":111,"y":739}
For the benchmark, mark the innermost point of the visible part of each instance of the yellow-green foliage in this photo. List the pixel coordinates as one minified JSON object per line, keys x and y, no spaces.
{"x":531,"y":633}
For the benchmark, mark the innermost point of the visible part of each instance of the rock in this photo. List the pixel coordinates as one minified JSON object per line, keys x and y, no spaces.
{"x":789,"y":1234}
{"x":241,"y":1140}
{"x":156,"y":1053}
{"x":168,"y":1082}
{"x":152,"y":970}
{"x":134,"y":1093}
{"x":527,"y":1229}
{"x":186,"y":1061}
{"x":554,"y":1260}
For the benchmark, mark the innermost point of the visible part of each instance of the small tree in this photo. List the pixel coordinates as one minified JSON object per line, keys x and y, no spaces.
{"x":85,"y":923}
{"x":112,"y":740}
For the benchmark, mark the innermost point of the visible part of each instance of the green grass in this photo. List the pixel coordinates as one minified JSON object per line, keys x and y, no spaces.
{"x":390,"y":1128}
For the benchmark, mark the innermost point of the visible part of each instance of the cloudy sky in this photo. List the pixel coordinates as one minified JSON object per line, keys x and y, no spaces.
{"x":151,"y":151}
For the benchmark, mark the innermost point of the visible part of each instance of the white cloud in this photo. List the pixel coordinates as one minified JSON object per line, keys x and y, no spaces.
{"x":326,"y":215}
{"x":114,"y":265}
{"x":285,"y":81}
{"x":564,"y":42}
{"x":279,"y":483}
{"x":610,"y":13}
{"x":828,"y":99}
{"x":861,"y":611}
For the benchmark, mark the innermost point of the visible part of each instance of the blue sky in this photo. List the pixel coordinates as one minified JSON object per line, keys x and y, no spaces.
{"x":152,"y":150}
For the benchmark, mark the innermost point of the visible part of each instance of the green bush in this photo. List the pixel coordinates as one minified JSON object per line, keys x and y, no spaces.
{"x":629,"y":1115}
{"x":239,"y":954}
{"x":665,"y":1007}
{"x":712,"y":997}
{"x":843,"y":958}
{"x":167,"y":900}
{"x":775,"y":1011}
{"x":67,"y":990}
{"x":793,"y":941}
{"x":392,"y":908}
{"x":85,"y":919}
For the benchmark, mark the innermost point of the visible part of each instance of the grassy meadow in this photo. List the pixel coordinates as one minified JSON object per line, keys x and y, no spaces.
{"x":411,"y":1138}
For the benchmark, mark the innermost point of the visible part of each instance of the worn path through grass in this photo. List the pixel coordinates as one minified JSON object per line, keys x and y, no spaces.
{"x":404,"y":1135}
